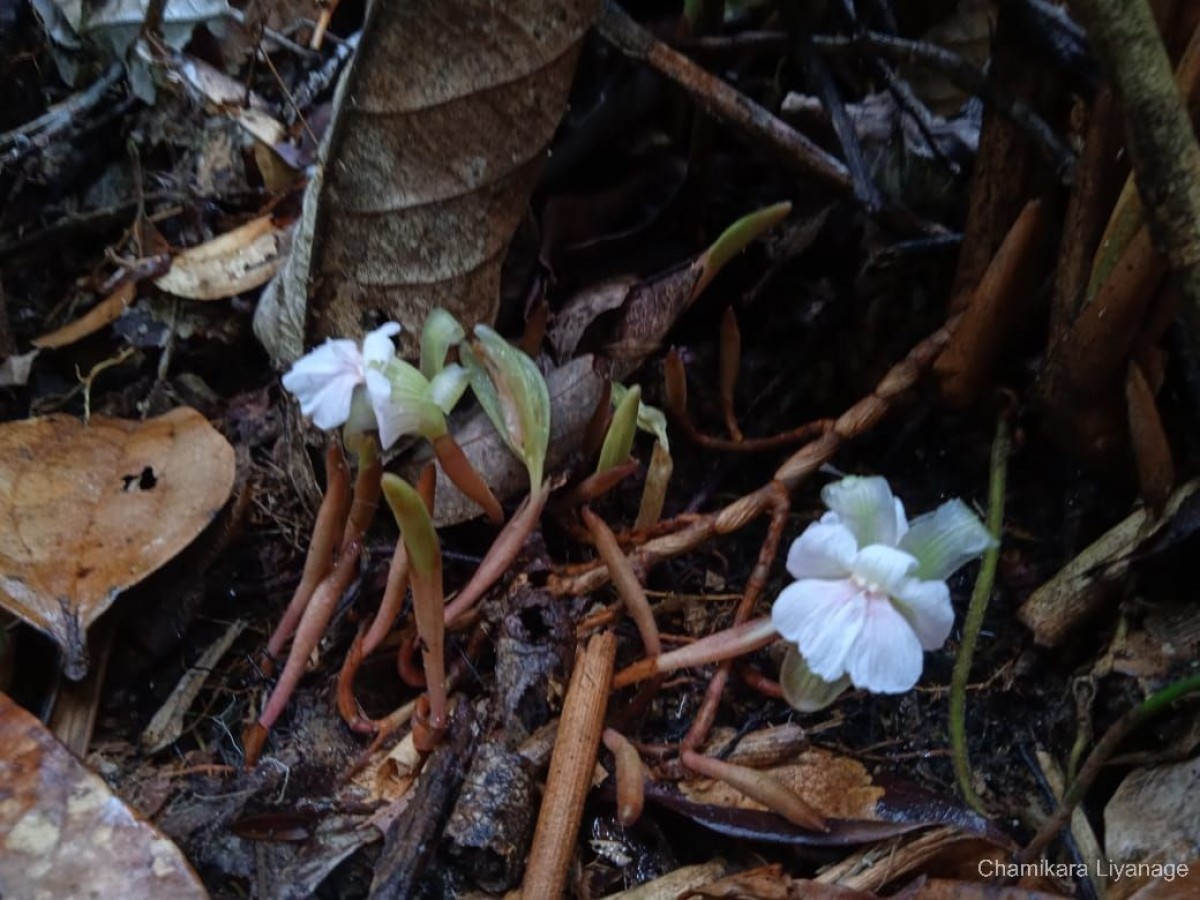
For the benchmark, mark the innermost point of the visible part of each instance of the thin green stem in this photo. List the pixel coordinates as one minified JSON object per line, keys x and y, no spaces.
{"x":1126,"y":725}
{"x":975,"y":612}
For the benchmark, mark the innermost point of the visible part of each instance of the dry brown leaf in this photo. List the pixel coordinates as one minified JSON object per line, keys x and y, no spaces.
{"x":440,"y":129}
{"x":837,"y":786}
{"x":107,"y":310}
{"x":237,"y":261}
{"x":89,"y":510}
{"x":64,"y":835}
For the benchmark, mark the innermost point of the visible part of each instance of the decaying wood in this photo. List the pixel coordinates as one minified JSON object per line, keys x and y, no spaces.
{"x":491,"y":825}
{"x":1093,"y":578}
{"x":571,"y":768}
{"x":410,"y":841}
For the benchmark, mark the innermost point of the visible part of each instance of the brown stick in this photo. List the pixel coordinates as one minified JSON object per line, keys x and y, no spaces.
{"x":720,"y":100}
{"x":570,"y":770}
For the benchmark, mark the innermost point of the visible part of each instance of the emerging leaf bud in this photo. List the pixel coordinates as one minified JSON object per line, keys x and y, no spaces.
{"x":513,"y":393}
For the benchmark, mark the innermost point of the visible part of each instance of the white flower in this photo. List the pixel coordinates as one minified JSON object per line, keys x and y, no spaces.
{"x":871,"y":595}
{"x":324,"y":380}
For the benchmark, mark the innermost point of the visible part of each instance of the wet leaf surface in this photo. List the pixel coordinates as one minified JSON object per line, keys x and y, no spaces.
{"x":65,"y":835}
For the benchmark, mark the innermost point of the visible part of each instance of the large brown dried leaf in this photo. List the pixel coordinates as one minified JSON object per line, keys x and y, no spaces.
{"x":62,"y":832}
{"x":89,"y":510}
{"x":441,"y":124}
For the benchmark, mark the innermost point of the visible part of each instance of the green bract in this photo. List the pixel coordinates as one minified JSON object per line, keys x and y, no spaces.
{"x":416,"y":528}
{"x":619,"y":440}
{"x":649,"y":418}
{"x":441,"y":332}
{"x":513,"y":393}
{"x":416,"y":405}
{"x":804,"y":690}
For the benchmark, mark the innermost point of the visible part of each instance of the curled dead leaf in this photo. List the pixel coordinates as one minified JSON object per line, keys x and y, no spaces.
{"x":237,"y":261}
{"x":90,"y":510}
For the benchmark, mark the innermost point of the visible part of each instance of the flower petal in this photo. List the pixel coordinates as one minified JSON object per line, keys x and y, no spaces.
{"x":886,"y":658}
{"x":822,"y":551}
{"x":324,"y":379}
{"x":865,"y":506}
{"x":883,"y":569}
{"x":926,"y":607}
{"x":448,"y":385}
{"x":823,"y":619}
{"x":803,"y":690}
{"x":946,"y":539}
{"x":377,"y":345}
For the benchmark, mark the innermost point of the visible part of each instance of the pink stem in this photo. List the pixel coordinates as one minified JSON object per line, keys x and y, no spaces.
{"x":723,"y":645}
{"x":326,"y":534}
{"x":501,"y":554}
{"x":308,"y":634}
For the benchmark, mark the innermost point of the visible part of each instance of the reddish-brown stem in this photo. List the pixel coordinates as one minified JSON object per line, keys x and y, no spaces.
{"x":625,"y":581}
{"x":757,"y":681}
{"x":595,"y":485}
{"x":757,"y":786}
{"x":406,"y":665}
{"x":780,"y":505}
{"x":597,"y":426}
{"x":347,"y":705}
{"x":308,"y":633}
{"x":729,"y":362}
{"x":721,"y":645}
{"x":630,"y":777}
{"x":466,"y":477}
{"x":331,"y":519}
{"x":500,"y":555}
{"x":366,"y":500}
{"x":393,"y":599}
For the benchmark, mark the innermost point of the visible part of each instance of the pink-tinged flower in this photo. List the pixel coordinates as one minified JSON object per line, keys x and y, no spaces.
{"x":325,"y":378}
{"x":870,"y":595}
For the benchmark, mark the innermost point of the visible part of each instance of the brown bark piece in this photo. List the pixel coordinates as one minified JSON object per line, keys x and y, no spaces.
{"x":411,"y":839}
{"x":490,"y":828}
{"x":535,"y":652}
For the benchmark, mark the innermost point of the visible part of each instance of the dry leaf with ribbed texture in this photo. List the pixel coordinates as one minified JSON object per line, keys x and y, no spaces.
{"x":440,"y":128}
{"x":87,"y":511}
{"x":63,"y":833}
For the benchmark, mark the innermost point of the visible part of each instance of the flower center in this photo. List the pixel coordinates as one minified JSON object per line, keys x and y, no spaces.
{"x":871,"y":588}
